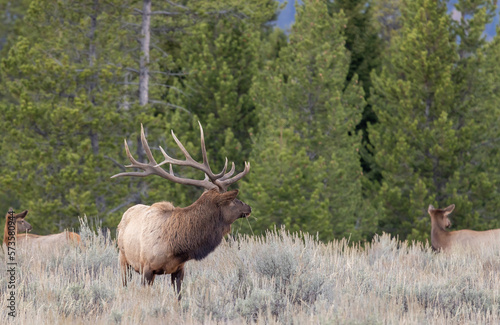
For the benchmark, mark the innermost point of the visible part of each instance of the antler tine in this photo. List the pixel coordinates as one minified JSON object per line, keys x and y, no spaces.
{"x":219,"y":175}
{"x":170,"y":160}
{"x":129,"y":155}
{"x":211,"y":175}
{"x":145,"y":145}
{"x":134,"y":162}
{"x":229,"y":174}
{"x":184,"y":151}
{"x":223,"y":184}
{"x":203,"y":149}
{"x":189,"y":160}
{"x":205,"y":167}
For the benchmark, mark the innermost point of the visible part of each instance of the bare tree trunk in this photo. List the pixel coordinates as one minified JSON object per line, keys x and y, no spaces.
{"x":144,"y":71}
{"x":143,"y":65}
{"x":100,"y":202}
{"x":144,"y":61}
{"x":92,"y":58}
{"x":93,"y":27}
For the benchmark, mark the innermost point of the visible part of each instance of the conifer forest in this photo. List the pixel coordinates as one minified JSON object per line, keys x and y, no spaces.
{"x":354,"y":119}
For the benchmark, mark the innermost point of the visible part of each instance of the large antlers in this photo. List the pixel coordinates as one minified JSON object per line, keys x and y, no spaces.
{"x":220,"y":181}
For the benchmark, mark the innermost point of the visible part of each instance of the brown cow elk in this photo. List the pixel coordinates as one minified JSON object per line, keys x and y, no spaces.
{"x":161,"y":238}
{"x":22,"y":227}
{"x":443,"y":240}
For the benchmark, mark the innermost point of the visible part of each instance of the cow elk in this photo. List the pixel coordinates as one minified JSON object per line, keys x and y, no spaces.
{"x":443,"y":240}
{"x":161,"y":238}
{"x":21,"y":227}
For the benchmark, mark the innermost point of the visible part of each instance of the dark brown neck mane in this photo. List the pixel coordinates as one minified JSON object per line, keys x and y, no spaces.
{"x":204,"y":218}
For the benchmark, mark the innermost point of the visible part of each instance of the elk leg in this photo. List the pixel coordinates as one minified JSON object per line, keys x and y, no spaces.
{"x":125,"y":269}
{"x":176,"y":279}
{"x":148,"y":277}
{"x":129,"y":272}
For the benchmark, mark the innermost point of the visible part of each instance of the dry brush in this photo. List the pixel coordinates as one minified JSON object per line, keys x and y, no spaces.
{"x":279,"y":278}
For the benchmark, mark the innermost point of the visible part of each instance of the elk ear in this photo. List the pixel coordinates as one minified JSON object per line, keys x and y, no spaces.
{"x":449,"y":210}
{"x":22,"y":214}
{"x":431,"y":208}
{"x":228,"y":197}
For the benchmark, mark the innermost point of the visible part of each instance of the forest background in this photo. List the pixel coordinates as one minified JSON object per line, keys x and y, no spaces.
{"x":354,"y":120}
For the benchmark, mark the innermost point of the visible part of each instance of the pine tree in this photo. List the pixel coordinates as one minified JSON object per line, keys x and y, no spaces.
{"x":364,"y":46}
{"x":387,"y":15}
{"x":476,"y":107}
{"x":217,"y":59}
{"x":362,"y":40}
{"x":70,"y":112}
{"x":486,"y":189}
{"x":220,"y":58}
{"x":11,"y":15}
{"x":306,"y":171}
{"x":425,"y":137}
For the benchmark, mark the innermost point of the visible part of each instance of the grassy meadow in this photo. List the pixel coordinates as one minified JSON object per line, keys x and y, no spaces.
{"x":281,"y":278}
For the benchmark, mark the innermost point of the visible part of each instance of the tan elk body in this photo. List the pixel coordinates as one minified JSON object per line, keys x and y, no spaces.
{"x":443,"y":240}
{"x":160,"y":238}
{"x":24,"y":239}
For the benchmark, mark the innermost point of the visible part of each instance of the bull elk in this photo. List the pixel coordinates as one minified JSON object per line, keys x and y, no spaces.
{"x":443,"y":240}
{"x":21,"y":228}
{"x":161,"y":238}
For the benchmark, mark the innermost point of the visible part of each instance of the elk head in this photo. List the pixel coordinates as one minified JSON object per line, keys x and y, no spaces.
{"x":231,"y":207}
{"x":21,"y":224}
{"x":440,"y":216}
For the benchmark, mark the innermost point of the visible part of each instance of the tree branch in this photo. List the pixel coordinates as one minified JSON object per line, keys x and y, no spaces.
{"x":177,"y":5}
{"x":135,"y":198}
{"x":171,"y":105}
{"x":115,"y":162}
{"x":158,"y":12}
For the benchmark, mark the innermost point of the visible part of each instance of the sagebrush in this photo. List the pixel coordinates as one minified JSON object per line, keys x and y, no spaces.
{"x":279,"y":278}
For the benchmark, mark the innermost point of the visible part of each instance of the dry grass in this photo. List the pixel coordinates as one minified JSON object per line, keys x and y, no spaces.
{"x":278,"y":279}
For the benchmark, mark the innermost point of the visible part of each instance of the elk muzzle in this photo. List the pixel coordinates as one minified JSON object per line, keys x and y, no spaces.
{"x":247,"y":212}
